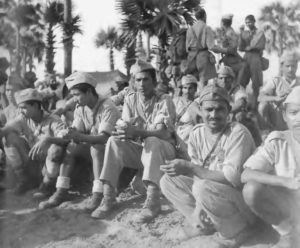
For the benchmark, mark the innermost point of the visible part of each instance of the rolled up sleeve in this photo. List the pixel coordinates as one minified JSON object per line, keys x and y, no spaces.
{"x":108,"y":120}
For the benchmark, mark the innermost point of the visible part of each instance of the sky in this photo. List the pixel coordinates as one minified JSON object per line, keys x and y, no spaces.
{"x":99,"y":14}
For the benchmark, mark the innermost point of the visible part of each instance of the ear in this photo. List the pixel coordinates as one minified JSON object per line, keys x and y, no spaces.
{"x":284,"y":114}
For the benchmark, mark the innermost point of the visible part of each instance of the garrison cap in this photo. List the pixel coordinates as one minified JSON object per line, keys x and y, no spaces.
{"x":79,"y":77}
{"x":294,"y":96}
{"x":214,"y":93}
{"x":227,"y":17}
{"x":140,"y":66}
{"x":27,"y":95}
{"x":226,"y":70}
{"x":188,"y":79}
{"x":289,"y":56}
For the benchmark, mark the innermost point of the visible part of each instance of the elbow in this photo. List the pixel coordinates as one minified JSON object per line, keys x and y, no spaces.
{"x":245,"y":176}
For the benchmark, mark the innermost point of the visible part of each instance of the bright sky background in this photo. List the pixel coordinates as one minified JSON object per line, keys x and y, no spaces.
{"x":97,"y":14}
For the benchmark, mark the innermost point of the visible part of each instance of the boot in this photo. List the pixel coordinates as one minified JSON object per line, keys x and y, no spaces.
{"x":46,"y":189}
{"x":151,"y":207}
{"x":107,"y":204}
{"x":55,"y":200}
{"x":95,"y":201}
{"x":23,"y":182}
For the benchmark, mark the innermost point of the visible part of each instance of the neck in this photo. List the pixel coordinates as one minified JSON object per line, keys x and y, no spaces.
{"x":92,"y":101}
{"x":147,"y":98}
{"x":214,"y":132}
{"x":38,"y":117}
{"x":290,"y":79}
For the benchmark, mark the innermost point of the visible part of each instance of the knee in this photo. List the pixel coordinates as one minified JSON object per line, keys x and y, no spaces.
{"x":165,"y":183}
{"x":11,"y":139}
{"x":200,"y":189}
{"x":152,"y":143}
{"x":55,"y":153}
{"x":97,"y":151}
{"x":251,"y":191}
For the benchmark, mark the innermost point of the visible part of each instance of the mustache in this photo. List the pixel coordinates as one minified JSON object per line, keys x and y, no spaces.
{"x":214,"y":119}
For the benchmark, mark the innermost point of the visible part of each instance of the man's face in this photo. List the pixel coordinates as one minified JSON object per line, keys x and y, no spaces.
{"x":250,"y":24}
{"x":80,"y":97}
{"x":289,"y":69}
{"x":27,"y":110}
{"x":189,"y":91}
{"x":214,"y":114}
{"x":144,"y":84}
{"x":291,"y":116}
{"x":225,"y":81}
{"x":9,"y":94}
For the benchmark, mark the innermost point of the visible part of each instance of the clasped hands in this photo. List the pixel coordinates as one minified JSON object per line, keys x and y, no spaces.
{"x":176,"y":167}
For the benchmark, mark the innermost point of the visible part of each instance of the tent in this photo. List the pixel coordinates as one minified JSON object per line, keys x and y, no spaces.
{"x":106,"y":81}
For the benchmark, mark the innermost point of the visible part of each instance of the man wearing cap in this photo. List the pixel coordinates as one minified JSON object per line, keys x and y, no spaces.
{"x":238,"y":101}
{"x":275,"y":91}
{"x":199,"y":40}
{"x":187,"y":110}
{"x":252,"y":42}
{"x":228,"y":44}
{"x":210,"y":183}
{"x":94,"y":120}
{"x":271,"y":176}
{"x":143,"y":140}
{"x":41,"y":142}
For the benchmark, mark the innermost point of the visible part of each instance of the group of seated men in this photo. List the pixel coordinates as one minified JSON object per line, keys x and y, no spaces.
{"x":194,"y":150}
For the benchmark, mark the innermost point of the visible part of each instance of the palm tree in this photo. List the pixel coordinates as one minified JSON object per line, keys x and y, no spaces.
{"x":282,"y":26}
{"x":109,"y":38}
{"x":155,"y":17}
{"x":70,"y":27}
{"x":53,"y":15}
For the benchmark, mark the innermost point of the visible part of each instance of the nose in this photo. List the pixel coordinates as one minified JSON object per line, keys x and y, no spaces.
{"x":213,"y":113}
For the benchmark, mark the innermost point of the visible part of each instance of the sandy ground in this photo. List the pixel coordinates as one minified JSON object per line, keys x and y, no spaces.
{"x":23,"y":226}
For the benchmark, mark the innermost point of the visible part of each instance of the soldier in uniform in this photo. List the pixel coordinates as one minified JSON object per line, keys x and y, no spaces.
{"x":275,"y":92}
{"x":187,"y":110}
{"x":271,"y":176}
{"x":199,"y":40}
{"x":94,"y":120}
{"x":210,"y":183}
{"x":34,"y":136}
{"x":143,"y":140}
{"x":252,"y":42}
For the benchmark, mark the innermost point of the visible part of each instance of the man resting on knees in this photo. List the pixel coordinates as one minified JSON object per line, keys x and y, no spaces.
{"x":208,"y":187}
{"x":272,"y":176}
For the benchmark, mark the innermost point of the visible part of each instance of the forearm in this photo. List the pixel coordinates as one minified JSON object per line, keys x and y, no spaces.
{"x":266,"y":98}
{"x":58,"y":141}
{"x":95,"y":139}
{"x":203,"y":173}
{"x":161,"y":133}
{"x":262,"y":177}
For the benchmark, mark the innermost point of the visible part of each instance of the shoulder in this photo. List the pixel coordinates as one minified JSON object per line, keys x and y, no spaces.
{"x":197,"y":127}
{"x":108,"y":104}
{"x":237,"y":129}
{"x":276,"y":136}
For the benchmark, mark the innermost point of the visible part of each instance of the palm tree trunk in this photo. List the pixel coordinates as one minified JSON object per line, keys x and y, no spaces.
{"x":111,"y":58}
{"x":68,"y":41}
{"x":49,"y":63}
{"x":148,"y":47}
{"x":18,"y":50}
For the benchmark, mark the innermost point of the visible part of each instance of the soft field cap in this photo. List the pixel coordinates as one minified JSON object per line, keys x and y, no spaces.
{"x":213,"y":93}
{"x":227,"y":17}
{"x":188,"y":79}
{"x":27,"y":95}
{"x":289,"y":56}
{"x":226,"y":70}
{"x":80,"y":78}
{"x":294,"y":96}
{"x":140,"y":66}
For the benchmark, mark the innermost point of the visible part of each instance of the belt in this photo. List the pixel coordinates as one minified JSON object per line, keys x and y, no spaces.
{"x":198,"y":50}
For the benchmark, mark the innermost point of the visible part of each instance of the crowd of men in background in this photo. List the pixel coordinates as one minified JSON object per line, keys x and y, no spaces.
{"x":225,"y":162}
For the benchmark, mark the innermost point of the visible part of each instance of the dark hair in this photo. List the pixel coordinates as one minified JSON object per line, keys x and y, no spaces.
{"x":32,"y":102}
{"x":227,"y":22}
{"x":84,"y":88}
{"x":250,"y":18}
{"x":200,"y":14}
{"x":152,"y":73}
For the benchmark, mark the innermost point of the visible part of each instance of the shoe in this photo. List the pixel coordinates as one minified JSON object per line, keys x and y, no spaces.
{"x":55,"y":200}
{"x":94,"y":202}
{"x":287,"y":241}
{"x":45,"y":190}
{"x":239,"y":239}
{"x":151,"y":209}
{"x":23,"y":182}
{"x":107,"y":205}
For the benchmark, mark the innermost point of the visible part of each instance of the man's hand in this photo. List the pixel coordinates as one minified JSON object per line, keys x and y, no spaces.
{"x":292,"y":183}
{"x":39,"y":149}
{"x":280,"y":99}
{"x":74,"y":135}
{"x":126,"y":132}
{"x":176,"y":167}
